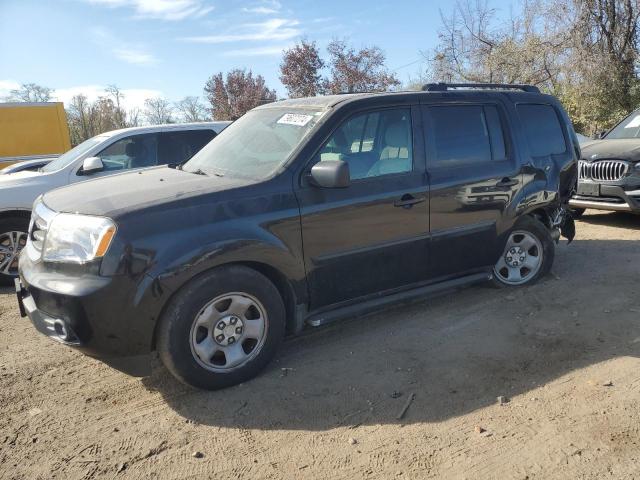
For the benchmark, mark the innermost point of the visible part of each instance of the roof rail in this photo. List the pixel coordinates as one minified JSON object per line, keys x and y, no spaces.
{"x":444,"y":87}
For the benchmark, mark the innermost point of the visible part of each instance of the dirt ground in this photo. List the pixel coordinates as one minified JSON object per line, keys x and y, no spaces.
{"x":564,"y":353}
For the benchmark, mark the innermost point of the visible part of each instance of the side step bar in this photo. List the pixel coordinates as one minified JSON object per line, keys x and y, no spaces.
{"x":374,"y":304}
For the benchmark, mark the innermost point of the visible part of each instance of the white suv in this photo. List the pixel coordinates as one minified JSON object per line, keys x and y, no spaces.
{"x":105,"y":154}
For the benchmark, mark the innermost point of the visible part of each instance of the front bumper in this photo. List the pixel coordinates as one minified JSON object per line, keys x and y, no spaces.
{"x":612,"y":198}
{"x":99,"y":316}
{"x":56,"y":328}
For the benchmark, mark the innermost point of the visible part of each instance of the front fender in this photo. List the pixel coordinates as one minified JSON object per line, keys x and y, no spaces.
{"x":269,"y":252}
{"x":162,"y":250}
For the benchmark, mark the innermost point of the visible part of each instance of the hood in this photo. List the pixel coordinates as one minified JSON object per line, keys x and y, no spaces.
{"x":623,"y":149}
{"x":26,"y":165}
{"x":18,"y":178}
{"x":121,"y":194}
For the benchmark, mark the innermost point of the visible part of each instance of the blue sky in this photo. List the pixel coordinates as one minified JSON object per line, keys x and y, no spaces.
{"x":170,"y":47}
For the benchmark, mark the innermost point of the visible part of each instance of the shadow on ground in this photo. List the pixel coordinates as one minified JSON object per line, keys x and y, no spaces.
{"x":612,"y":219}
{"x":456,"y":353}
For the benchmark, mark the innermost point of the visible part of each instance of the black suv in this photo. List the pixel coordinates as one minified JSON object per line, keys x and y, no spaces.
{"x":609,"y":171}
{"x":300,"y":213}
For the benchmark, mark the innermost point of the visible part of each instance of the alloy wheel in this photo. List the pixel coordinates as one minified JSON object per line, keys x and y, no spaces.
{"x":11,"y":244}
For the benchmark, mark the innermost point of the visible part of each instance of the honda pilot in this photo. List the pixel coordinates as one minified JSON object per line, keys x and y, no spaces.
{"x":301,"y":213}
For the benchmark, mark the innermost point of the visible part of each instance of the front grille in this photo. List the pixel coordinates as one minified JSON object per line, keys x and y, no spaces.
{"x":603,"y":170}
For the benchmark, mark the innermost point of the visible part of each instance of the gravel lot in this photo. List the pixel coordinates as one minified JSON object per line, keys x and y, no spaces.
{"x":563,"y":353}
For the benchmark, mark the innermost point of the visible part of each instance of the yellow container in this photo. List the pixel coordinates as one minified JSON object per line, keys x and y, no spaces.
{"x":32,"y":130}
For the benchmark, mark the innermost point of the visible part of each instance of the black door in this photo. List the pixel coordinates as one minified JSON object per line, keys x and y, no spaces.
{"x":372,"y":236}
{"x":474,"y":177}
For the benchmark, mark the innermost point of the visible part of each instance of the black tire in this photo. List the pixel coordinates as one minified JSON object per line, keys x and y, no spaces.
{"x":577,"y":212}
{"x":17,"y":223}
{"x":538,"y":230}
{"x":175,"y":327}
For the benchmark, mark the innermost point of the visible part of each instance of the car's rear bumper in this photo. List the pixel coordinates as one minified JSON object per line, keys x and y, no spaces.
{"x":95,"y":315}
{"x":612,"y":198}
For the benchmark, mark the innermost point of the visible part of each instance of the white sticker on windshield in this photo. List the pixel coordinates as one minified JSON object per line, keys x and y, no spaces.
{"x":297,"y":119}
{"x":635,"y":123}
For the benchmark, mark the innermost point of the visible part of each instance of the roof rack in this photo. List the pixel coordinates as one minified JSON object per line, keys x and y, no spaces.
{"x":444,"y":87}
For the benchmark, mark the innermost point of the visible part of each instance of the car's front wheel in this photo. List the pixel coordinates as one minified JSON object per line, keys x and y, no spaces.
{"x":222,"y":328}
{"x":13,"y":238}
{"x":528,"y":255}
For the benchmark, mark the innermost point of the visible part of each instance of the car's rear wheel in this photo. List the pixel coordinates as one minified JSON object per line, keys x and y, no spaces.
{"x":222,"y":328}
{"x":13,"y":238}
{"x":527,"y":257}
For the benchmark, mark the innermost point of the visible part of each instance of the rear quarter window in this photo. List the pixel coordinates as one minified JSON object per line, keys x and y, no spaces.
{"x":543,"y":129}
{"x":465,"y":134}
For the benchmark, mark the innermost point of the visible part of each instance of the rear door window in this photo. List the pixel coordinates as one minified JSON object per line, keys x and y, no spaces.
{"x":178,"y":147}
{"x":465,"y":134}
{"x":543,"y":129}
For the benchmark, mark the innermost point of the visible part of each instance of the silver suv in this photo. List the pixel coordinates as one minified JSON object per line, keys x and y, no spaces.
{"x":106,"y":154}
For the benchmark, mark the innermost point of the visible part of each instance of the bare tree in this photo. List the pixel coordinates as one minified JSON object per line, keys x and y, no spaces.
{"x":300,"y":70}
{"x":158,"y":111}
{"x":475,"y":47}
{"x":239,"y":92}
{"x":117,"y":97}
{"x":602,"y":82}
{"x":133,"y":117}
{"x":358,"y":71}
{"x":79,"y":119}
{"x":30,"y":92}
{"x":192,"y":109}
{"x":583,"y":51}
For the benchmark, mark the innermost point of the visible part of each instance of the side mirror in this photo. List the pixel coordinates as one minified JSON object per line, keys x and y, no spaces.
{"x":600,"y":135}
{"x":92,"y":165}
{"x":331,"y":174}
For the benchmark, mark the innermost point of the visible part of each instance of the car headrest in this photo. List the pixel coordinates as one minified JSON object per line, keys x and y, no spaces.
{"x":134,"y":149}
{"x":396,"y":135}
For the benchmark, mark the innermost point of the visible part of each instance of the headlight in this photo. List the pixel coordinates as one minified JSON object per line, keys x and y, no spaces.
{"x":77,"y":238}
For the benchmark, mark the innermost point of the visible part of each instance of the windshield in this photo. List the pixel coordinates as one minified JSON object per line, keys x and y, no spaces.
{"x":256,"y":145}
{"x":66,"y":158}
{"x":628,"y":128}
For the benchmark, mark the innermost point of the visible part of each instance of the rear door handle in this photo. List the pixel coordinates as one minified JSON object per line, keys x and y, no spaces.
{"x":408,"y":201}
{"x":507,"y":182}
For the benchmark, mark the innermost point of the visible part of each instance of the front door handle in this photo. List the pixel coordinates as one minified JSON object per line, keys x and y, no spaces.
{"x":408,"y":201}
{"x":507,"y":182}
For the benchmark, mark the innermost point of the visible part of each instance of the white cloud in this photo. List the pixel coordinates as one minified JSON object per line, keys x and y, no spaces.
{"x":255,"y":52}
{"x":160,"y":9}
{"x":260,"y":10}
{"x":273,"y":29}
{"x":6,"y":86}
{"x":133,"y":97}
{"x":130,"y":53}
{"x":135,"y":57}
